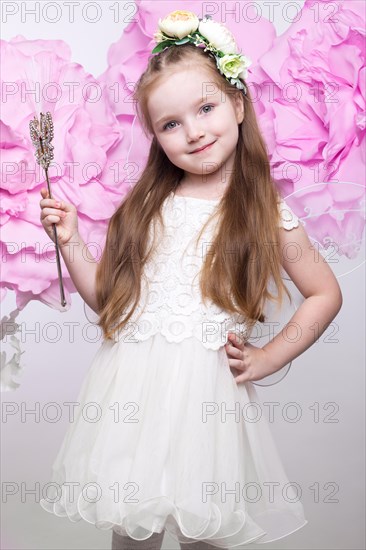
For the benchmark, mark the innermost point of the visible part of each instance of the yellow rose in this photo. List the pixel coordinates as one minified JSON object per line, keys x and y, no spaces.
{"x":179,"y":23}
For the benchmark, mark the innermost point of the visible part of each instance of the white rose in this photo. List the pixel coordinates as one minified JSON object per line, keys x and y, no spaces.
{"x":179,"y":24}
{"x":219,"y":36}
{"x":231,"y":65}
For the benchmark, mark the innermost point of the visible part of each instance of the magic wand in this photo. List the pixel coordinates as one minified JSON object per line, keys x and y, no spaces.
{"x":41,"y":133}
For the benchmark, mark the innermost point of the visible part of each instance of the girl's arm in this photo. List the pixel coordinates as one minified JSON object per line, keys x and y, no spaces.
{"x":82,"y":268}
{"x":79,"y":262}
{"x":323,"y":298}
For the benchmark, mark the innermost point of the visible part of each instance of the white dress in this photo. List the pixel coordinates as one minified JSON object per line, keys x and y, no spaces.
{"x":164,"y":438}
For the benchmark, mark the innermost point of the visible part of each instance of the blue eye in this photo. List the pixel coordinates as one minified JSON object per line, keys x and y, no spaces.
{"x":165,"y":127}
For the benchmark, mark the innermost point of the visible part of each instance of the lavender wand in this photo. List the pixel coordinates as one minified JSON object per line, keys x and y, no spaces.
{"x":41,"y":133}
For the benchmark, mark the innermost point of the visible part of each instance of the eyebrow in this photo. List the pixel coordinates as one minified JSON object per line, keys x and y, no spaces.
{"x":169,"y":117}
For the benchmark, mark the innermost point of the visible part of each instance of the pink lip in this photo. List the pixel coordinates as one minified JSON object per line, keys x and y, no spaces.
{"x":203,"y":148}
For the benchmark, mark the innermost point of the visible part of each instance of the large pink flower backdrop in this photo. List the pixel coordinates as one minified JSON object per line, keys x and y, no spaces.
{"x":308,"y":87}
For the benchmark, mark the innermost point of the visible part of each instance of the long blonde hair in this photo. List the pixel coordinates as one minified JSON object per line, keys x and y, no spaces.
{"x":249,"y":215}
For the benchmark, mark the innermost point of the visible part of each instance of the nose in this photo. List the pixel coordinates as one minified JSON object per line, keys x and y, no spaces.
{"x":194,"y":131}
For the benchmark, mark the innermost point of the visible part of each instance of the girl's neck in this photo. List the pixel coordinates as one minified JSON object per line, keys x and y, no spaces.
{"x":200,"y":191}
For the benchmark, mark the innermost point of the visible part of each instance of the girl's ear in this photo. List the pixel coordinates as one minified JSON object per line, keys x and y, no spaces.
{"x":239,"y":108}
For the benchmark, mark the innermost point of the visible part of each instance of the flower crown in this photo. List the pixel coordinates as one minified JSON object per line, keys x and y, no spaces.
{"x":181,"y":27}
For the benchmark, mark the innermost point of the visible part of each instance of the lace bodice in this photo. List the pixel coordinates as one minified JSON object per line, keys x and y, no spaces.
{"x":170,"y":296}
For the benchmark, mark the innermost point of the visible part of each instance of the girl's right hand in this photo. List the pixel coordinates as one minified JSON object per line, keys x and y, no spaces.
{"x":64,"y":216}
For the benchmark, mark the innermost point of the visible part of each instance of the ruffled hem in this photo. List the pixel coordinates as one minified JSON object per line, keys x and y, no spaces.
{"x":157,"y":514}
{"x":130,"y":462}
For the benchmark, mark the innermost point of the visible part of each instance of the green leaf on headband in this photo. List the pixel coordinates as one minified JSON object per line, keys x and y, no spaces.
{"x":161,"y":46}
{"x":182,"y":41}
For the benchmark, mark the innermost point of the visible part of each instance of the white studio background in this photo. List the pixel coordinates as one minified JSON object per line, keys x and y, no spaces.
{"x":323,"y":451}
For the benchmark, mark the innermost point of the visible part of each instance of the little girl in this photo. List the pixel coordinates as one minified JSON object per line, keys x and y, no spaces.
{"x":164,"y":440}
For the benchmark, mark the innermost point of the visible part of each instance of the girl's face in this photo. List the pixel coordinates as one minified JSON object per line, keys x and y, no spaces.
{"x":188,"y":111}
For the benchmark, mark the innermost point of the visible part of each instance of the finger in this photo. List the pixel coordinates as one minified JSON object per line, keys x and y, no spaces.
{"x":235,"y":339}
{"x":236,"y":343}
{"x":53,"y":203}
{"x":49,"y":210}
{"x":242,"y":378}
{"x":235,"y":371}
{"x":237,"y":364}
{"x":50,"y":219}
{"x":231,"y":341}
{"x":60,"y":214}
{"x":233,"y":351}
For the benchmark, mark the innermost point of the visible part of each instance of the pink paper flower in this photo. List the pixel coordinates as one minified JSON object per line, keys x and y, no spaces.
{"x":312,"y":112}
{"x":38,"y":75}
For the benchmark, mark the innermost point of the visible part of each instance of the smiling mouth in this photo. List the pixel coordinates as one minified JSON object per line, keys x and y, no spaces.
{"x":203,"y":148}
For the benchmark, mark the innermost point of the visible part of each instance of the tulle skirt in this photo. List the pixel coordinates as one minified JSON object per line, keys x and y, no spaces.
{"x":164,"y":438}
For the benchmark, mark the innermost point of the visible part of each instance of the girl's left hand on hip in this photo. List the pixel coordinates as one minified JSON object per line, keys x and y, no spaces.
{"x":252,"y":362}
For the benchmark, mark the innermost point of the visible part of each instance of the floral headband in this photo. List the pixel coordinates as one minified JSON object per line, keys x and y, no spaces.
{"x":181,"y":27}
